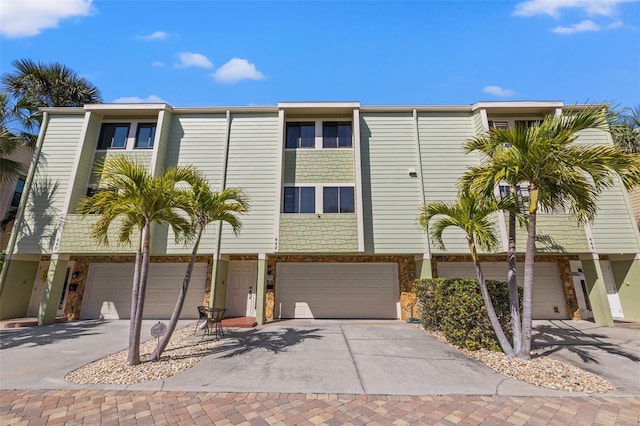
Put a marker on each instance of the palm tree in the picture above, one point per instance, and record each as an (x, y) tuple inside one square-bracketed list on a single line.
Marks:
[(131, 199), (207, 207), (10, 143), (471, 214), (625, 129), (490, 144), (557, 171), (34, 85)]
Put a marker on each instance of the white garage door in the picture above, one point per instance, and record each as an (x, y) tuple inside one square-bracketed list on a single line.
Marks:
[(108, 292), (548, 298), (337, 290)]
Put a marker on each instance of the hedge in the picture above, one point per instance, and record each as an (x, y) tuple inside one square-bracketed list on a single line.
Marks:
[(455, 307)]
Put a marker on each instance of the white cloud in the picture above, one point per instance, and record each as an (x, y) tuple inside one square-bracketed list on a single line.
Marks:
[(189, 59), (151, 99), (498, 91), (577, 28), (159, 64), (26, 18), (614, 25), (553, 7), (236, 70), (156, 35)]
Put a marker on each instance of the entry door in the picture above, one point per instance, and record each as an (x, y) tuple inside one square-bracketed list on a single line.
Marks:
[(38, 289), (612, 293), (241, 290)]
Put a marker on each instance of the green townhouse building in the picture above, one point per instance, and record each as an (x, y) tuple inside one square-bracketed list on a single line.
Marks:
[(335, 190)]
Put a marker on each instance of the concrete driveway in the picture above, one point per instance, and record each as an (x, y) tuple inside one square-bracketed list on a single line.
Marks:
[(611, 352), (342, 357)]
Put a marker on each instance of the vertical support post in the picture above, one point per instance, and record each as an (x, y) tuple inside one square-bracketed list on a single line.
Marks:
[(423, 266), (261, 288), (597, 291), (53, 289)]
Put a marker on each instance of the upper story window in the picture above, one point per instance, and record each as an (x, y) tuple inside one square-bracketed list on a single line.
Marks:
[(336, 134), (510, 124), (17, 194), (337, 199), (113, 136), (299, 199), (319, 134), (301, 135), (145, 134)]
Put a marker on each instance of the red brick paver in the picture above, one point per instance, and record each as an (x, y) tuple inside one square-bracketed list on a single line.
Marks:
[(92, 407)]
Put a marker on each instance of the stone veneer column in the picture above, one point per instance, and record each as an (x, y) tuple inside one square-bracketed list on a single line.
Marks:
[(53, 289)]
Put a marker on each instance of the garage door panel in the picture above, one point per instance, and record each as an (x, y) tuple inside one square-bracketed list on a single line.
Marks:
[(108, 292), (548, 297), (337, 290)]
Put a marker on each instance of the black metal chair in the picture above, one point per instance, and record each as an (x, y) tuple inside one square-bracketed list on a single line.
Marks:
[(217, 315), (202, 319)]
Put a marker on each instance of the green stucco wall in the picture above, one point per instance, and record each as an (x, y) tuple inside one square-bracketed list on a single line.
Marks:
[(17, 289), (626, 274), (319, 166), (311, 233)]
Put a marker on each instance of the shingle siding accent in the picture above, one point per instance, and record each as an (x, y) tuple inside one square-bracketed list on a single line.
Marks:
[(319, 166), (312, 233)]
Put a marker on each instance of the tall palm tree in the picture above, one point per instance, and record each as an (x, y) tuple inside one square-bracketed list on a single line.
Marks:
[(471, 214), (35, 84), (557, 171), (206, 207), (130, 199)]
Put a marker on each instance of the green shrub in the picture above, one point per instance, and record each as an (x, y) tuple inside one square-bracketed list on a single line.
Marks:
[(455, 307)]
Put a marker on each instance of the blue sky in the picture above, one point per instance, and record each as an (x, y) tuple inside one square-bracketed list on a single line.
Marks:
[(199, 53)]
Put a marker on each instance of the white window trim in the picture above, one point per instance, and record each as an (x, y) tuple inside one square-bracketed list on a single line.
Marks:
[(512, 120)]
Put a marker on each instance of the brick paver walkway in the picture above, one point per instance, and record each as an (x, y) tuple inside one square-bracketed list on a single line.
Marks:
[(93, 407)]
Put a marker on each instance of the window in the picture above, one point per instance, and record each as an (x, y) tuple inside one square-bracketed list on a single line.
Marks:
[(299, 199), (145, 134), (336, 134), (301, 135), (527, 123), (495, 124), (113, 136), (522, 194), (17, 194), (337, 199)]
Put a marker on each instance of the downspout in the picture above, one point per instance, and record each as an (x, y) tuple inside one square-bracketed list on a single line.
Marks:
[(17, 224), (223, 186)]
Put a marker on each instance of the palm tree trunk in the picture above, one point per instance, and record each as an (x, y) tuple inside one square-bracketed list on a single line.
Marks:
[(527, 297), (134, 349), (134, 339), (493, 318), (514, 304), (175, 315)]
